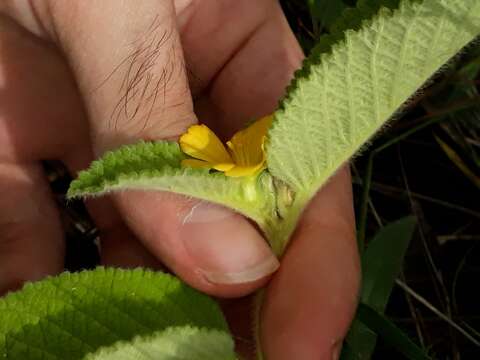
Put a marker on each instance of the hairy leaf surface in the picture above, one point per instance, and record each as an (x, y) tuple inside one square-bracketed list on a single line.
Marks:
[(175, 343), (157, 166), (340, 99), (72, 315)]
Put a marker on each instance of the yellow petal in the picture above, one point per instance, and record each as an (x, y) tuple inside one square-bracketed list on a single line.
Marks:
[(223, 167), (238, 171), (201, 143), (246, 146)]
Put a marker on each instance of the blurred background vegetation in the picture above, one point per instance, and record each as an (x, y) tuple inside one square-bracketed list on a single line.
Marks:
[(425, 165)]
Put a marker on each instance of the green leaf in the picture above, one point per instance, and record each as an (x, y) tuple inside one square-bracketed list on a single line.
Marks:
[(382, 261), (157, 166), (72, 315), (175, 343), (391, 334), (352, 18), (381, 264), (340, 99)]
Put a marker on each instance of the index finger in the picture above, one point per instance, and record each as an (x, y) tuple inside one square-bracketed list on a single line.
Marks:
[(243, 71)]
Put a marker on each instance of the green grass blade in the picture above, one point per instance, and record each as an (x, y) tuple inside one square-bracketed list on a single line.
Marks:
[(382, 261), (381, 264), (390, 333), (361, 342)]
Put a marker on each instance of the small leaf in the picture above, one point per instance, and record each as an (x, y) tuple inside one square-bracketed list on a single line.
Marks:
[(382, 261), (174, 343), (72, 315), (157, 166), (340, 99)]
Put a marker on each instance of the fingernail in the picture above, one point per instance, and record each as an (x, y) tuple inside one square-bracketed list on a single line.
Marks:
[(337, 350), (225, 246)]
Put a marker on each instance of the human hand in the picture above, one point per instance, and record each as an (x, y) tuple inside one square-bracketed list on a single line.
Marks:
[(79, 78)]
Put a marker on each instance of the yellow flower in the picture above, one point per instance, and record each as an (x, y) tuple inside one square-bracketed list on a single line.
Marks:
[(243, 156)]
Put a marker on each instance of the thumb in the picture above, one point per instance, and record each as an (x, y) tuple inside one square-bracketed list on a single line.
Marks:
[(128, 62)]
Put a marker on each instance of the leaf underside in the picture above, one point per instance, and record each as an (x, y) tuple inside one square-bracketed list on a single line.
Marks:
[(340, 99), (73, 315), (157, 166)]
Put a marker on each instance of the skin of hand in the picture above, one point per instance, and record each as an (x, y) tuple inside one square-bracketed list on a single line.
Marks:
[(78, 78)]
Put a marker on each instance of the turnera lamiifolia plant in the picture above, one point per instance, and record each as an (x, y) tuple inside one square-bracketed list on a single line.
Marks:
[(268, 171), (336, 102)]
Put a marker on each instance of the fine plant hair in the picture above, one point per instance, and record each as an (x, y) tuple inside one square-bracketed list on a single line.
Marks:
[(419, 94)]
